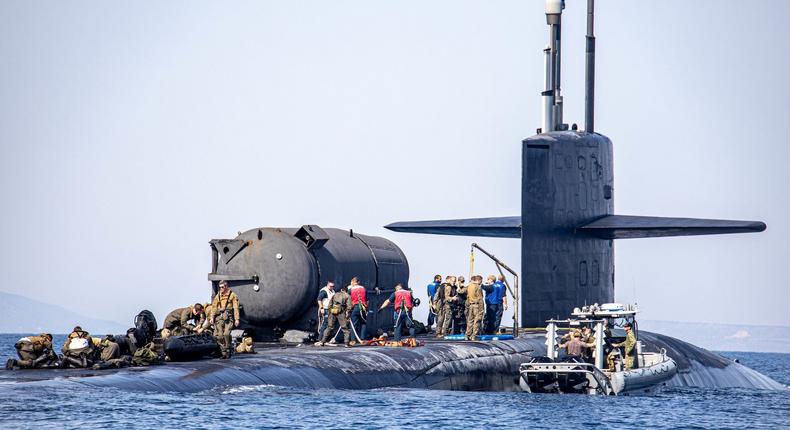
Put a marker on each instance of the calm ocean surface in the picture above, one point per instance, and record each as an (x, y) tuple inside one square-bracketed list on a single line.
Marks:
[(277, 407)]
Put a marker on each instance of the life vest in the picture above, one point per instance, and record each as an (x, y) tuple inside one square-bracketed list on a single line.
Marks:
[(224, 307), (403, 298), (329, 294), (378, 341), (357, 295)]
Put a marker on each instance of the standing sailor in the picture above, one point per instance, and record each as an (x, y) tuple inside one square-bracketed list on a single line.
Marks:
[(629, 343), (403, 305), (574, 347), (496, 302), (445, 297), (225, 316), (324, 299), (437, 280), (459, 308), (588, 339), (339, 310), (474, 306), (359, 308)]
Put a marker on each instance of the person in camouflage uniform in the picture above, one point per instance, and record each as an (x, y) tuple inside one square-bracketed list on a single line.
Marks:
[(225, 310), (339, 314), (34, 352), (474, 306)]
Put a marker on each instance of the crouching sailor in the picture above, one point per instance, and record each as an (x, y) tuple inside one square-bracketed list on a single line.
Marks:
[(403, 305), (34, 352), (178, 321), (78, 350), (109, 353), (225, 308)]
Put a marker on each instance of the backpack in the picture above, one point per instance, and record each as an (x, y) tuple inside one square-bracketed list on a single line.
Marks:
[(146, 356)]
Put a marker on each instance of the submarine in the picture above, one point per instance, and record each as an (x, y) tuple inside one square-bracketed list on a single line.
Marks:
[(567, 229)]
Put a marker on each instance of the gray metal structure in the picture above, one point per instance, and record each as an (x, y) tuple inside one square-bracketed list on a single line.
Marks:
[(277, 273), (567, 223)]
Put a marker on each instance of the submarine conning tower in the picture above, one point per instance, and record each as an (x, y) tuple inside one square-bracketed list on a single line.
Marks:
[(568, 182), (278, 272), (567, 222)]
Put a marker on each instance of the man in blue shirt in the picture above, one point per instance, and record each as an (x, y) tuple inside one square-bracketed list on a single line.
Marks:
[(437, 280), (496, 302)]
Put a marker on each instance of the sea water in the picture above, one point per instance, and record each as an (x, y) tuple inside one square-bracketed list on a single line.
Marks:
[(74, 406)]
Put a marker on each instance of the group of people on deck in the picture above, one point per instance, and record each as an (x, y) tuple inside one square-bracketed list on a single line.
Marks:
[(350, 304), (458, 308)]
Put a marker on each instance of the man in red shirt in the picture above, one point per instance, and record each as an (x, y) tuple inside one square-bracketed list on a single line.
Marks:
[(403, 302), (359, 308)]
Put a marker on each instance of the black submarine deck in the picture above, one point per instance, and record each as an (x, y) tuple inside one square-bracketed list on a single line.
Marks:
[(439, 364)]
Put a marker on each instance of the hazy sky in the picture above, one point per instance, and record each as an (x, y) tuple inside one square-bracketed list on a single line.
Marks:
[(132, 133)]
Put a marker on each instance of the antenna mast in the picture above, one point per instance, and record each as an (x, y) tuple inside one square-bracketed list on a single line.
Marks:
[(552, 100), (589, 75)]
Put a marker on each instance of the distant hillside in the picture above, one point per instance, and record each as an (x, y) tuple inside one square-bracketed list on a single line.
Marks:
[(25, 315), (725, 337)]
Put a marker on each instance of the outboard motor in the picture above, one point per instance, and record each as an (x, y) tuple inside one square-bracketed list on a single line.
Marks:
[(542, 382), (142, 333), (573, 382)]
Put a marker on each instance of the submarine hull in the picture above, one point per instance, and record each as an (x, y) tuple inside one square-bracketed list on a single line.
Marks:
[(476, 366)]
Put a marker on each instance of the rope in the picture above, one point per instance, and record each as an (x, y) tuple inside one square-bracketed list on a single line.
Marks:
[(354, 331), (400, 312)]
